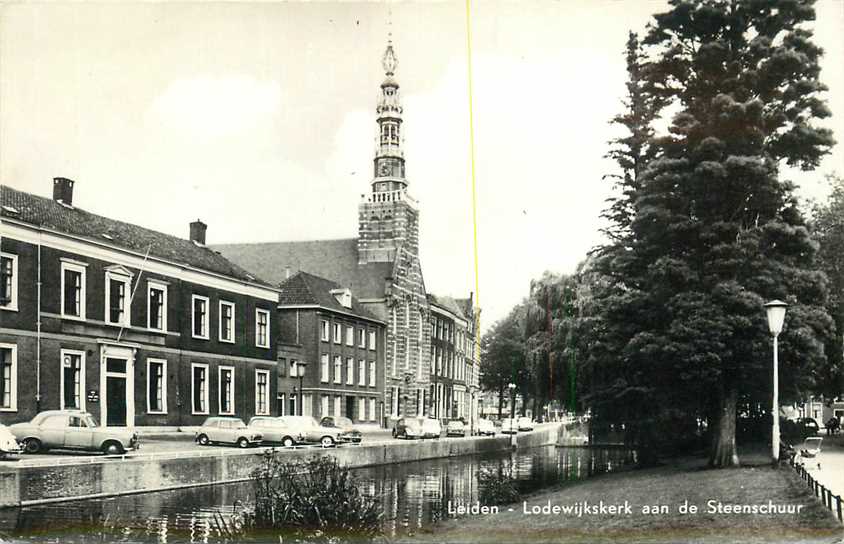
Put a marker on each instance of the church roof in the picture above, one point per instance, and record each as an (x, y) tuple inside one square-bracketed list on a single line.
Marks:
[(335, 260), (304, 289), (48, 214)]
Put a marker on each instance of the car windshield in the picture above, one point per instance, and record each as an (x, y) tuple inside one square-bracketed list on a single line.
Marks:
[(412, 422)]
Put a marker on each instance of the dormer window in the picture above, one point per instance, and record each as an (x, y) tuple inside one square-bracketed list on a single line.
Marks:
[(343, 296)]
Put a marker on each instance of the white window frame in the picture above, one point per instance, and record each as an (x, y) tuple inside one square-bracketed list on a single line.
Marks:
[(163, 363), (371, 373), (266, 344), (361, 409), (205, 334), (361, 371), (220, 321), (127, 297), (324, 368), (80, 268), (338, 406), (163, 288), (372, 409), (338, 333), (307, 404), (362, 338), (13, 395), (338, 369), (231, 410), (325, 331), (350, 370), (350, 335), (12, 306), (372, 345), (193, 410), (266, 411), (81, 355)]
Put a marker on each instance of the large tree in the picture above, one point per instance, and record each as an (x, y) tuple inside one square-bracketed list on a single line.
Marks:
[(503, 355), (828, 230), (714, 232)]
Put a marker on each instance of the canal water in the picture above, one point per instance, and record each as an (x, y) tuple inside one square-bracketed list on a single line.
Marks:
[(413, 496)]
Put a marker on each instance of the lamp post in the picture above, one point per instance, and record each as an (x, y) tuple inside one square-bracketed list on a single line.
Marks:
[(512, 387), (300, 373), (776, 316)]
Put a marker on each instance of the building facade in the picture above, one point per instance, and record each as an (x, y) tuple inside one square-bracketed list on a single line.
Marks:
[(342, 347), (381, 266), (135, 326)]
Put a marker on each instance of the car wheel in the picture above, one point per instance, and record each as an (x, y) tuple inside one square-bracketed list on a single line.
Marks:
[(202, 440), (113, 448), (326, 442), (242, 442), (32, 445), (288, 442)]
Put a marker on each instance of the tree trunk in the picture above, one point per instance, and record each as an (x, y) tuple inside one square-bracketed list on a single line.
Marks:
[(724, 453), (500, 402)]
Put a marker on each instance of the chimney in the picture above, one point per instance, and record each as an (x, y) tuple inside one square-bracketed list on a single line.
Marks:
[(197, 232), (286, 272), (63, 191)]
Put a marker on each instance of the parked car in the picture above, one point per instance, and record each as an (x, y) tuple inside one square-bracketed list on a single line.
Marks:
[(485, 427), (275, 431), (227, 430), (72, 429), (811, 425), (8, 443), (408, 427), (525, 424), (348, 431), (455, 427), (311, 432), (431, 428), (509, 426)]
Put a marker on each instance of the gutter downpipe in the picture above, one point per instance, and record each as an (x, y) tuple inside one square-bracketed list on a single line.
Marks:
[(38, 331)]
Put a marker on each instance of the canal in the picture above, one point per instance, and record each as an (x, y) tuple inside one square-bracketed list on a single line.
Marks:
[(412, 495)]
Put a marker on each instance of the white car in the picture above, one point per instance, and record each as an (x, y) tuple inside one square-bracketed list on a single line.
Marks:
[(455, 427), (227, 430), (525, 424), (8, 442), (431, 428), (509, 426), (485, 427)]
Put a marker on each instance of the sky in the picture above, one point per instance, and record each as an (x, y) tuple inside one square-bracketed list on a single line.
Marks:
[(259, 119)]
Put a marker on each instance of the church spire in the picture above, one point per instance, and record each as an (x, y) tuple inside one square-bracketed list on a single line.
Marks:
[(389, 172)]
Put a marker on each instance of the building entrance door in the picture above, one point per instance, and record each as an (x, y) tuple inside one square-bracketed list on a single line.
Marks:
[(350, 407), (117, 403)]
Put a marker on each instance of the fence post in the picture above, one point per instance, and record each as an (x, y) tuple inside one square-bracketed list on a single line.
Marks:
[(840, 518)]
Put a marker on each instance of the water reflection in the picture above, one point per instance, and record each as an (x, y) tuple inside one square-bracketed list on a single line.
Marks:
[(413, 495)]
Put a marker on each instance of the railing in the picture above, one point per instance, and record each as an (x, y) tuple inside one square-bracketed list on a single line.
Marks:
[(400, 195), (819, 490)]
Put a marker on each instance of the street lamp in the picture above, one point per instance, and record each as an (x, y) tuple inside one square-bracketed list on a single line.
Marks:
[(300, 372), (512, 387), (776, 316)]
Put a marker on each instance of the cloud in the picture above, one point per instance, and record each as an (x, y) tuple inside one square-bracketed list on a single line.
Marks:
[(209, 108)]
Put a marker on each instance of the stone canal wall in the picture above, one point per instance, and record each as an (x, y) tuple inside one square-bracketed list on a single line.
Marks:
[(24, 485)]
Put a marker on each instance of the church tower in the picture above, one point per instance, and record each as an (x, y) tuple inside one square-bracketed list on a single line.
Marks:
[(389, 234), (388, 215)]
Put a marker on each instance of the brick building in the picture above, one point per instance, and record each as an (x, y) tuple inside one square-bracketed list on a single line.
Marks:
[(381, 266), (135, 326), (342, 345)]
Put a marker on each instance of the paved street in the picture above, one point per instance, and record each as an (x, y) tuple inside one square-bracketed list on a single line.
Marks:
[(828, 467), (174, 444)]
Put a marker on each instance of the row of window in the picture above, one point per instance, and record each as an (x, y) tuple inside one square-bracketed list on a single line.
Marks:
[(118, 284), (200, 387), (334, 407), (446, 363), (72, 384), (362, 334), (362, 367)]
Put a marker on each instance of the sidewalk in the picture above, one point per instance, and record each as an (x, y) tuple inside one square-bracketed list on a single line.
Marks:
[(671, 486)]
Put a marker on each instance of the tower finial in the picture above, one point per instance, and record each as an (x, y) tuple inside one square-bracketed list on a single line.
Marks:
[(389, 62)]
